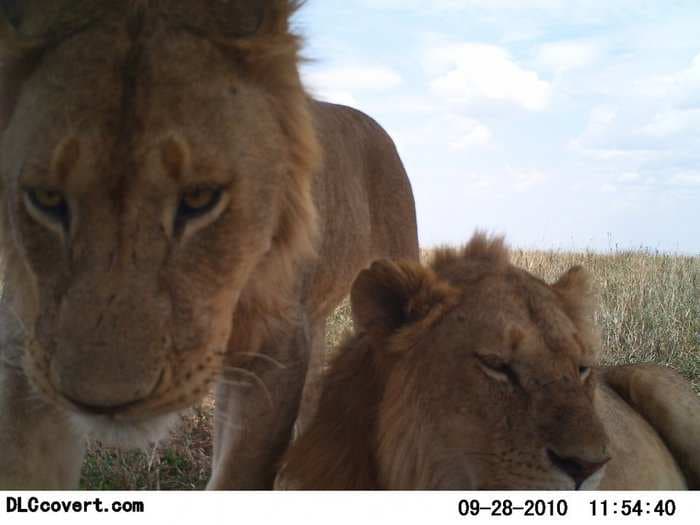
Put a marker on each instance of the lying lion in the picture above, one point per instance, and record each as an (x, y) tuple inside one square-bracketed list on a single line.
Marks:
[(473, 374)]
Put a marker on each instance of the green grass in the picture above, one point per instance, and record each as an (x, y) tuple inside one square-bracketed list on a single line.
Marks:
[(650, 311)]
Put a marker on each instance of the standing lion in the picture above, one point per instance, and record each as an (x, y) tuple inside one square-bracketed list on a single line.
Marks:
[(176, 214)]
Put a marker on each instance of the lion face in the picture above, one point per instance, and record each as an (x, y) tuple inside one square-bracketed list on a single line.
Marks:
[(489, 378), (146, 179)]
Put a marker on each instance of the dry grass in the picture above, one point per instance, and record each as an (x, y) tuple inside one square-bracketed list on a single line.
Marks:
[(181, 463), (650, 311), (650, 304)]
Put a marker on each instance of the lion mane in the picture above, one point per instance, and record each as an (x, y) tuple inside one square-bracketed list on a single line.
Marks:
[(471, 373), (177, 214)]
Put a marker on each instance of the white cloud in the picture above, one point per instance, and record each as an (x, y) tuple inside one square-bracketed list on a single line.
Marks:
[(348, 79), (403, 102), (601, 118), (681, 85), (497, 4), (479, 72), (672, 122), (462, 4), (635, 157), (336, 97), (629, 177), (686, 179), (609, 137), (568, 55), (464, 132), (447, 132), (493, 94), (525, 180)]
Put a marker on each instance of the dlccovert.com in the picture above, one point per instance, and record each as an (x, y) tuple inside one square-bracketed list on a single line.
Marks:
[(20, 504)]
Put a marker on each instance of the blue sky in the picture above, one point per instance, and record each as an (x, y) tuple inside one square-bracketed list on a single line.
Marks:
[(560, 123)]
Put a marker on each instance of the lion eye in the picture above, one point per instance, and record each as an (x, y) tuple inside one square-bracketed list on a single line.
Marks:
[(51, 204), (498, 369), (584, 372), (197, 202)]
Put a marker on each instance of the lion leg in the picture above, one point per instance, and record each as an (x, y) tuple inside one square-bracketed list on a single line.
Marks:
[(39, 447), (256, 407)]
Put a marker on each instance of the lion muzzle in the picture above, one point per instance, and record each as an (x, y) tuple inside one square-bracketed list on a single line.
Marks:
[(109, 357)]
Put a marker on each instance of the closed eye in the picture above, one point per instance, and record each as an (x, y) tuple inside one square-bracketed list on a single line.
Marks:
[(498, 369)]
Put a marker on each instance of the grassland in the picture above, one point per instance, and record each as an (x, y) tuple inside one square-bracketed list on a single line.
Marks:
[(650, 311)]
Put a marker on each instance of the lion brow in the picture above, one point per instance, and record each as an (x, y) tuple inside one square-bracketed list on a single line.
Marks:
[(48, 23)]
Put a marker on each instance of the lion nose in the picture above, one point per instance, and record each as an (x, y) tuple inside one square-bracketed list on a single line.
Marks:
[(577, 469), (96, 410), (93, 397)]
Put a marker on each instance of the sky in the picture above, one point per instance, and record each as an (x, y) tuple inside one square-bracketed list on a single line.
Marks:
[(565, 124)]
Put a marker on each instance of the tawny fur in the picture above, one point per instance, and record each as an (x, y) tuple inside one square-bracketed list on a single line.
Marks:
[(484, 383), (122, 107)]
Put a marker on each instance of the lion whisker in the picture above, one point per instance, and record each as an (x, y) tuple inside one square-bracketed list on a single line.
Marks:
[(225, 420), (231, 382), (254, 377), (15, 364), (10, 309), (264, 357), (469, 452), (35, 401)]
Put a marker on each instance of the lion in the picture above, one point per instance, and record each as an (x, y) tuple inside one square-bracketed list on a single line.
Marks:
[(178, 214), (472, 373)]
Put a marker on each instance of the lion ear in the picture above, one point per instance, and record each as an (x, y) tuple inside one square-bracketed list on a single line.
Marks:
[(579, 298), (576, 290), (391, 294)]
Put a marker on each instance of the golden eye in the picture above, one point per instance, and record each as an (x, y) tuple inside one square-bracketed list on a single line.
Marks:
[(197, 202), (47, 198), (199, 198), (51, 203)]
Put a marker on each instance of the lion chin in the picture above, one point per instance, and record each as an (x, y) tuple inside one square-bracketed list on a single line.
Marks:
[(132, 434)]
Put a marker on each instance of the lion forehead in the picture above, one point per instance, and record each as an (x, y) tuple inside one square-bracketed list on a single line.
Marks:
[(177, 89)]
